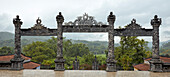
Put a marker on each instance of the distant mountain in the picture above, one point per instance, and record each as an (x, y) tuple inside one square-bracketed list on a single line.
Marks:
[(6, 36), (94, 43), (160, 44), (9, 36), (7, 39)]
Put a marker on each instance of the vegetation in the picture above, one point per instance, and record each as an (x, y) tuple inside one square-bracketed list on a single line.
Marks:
[(45, 53), (131, 51), (96, 47), (165, 49), (6, 50)]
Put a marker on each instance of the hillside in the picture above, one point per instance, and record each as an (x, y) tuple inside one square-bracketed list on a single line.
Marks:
[(165, 49), (6, 36), (7, 39)]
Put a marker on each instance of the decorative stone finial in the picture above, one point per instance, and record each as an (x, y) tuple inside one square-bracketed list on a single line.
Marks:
[(133, 21), (156, 21), (38, 21), (111, 18), (155, 17), (17, 21), (17, 17), (60, 18)]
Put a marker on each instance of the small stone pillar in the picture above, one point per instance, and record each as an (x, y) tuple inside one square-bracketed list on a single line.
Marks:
[(111, 62), (155, 62), (59, 62), (76, 64), (95, 64), (17, 61)]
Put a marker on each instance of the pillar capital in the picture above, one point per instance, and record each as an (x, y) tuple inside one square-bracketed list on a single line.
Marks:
[(111, 18), (60, 18), (156, 22), (17, 21)]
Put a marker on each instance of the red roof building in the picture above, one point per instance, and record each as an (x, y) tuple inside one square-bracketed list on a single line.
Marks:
[(9, 57), (146, 65), (5, 62)]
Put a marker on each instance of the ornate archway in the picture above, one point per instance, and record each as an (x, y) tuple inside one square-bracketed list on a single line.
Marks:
[(87, 23)]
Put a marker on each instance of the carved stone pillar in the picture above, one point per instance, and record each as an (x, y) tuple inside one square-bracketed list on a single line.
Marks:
[(59, 62), (111, 63), (17, 61), (76, 64), (155, 62), (95, 64)]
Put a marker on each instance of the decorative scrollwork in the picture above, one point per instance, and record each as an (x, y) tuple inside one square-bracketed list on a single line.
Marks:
[(84, 20), (38, 25), (133, 25)]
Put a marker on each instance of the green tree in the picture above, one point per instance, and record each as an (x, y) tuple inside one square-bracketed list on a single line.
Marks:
[(45, 52), (39, 51), (6, 50), (76, 50), (131, 51)]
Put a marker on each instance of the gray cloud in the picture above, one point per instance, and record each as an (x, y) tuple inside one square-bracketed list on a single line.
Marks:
[(125, 11), (6, 23), (167, 32)]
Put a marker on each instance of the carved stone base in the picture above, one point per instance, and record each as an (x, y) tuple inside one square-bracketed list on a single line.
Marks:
[(59, 64), (111, 66), (155, 65), (17, 64)]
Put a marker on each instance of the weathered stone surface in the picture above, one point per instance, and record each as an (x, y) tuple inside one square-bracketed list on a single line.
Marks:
[(10, 73), (59, 62), (132, 74), (80, 73), (165, 74), (111, 63), (156, 63), (41, 32), (17, 61), (85, 73), (59, 73), (38, 73)]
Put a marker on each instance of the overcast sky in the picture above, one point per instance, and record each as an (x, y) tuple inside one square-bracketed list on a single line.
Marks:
[(125, 10)]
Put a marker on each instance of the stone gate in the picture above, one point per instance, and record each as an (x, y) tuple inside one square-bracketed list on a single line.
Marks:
[(87, 23)]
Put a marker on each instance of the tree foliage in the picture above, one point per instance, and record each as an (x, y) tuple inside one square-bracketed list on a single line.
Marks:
[(131, 51), (45, 52), (39, 51), (6, 50), (165, 49)]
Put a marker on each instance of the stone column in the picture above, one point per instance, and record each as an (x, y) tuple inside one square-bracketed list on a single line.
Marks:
[(17, 61), (95, 64), (111, 62), (155, 62), (59, 62), (76, 64)]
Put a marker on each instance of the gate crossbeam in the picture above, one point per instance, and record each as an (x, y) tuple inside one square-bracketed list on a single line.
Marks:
[(40, 32), (85, 28), (133, 32)]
